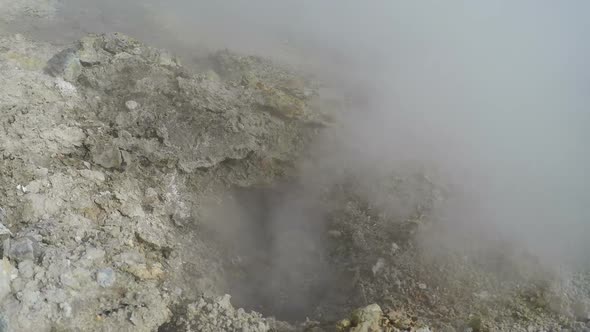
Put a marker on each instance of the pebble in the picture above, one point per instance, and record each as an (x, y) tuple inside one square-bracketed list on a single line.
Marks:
[(21, 188), (41, 173), (131, 104), (422, 286), (378, 267), (94, 254), (66, 308), (105, 277)]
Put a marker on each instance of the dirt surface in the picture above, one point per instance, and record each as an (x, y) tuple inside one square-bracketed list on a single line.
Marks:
[(136, 194)]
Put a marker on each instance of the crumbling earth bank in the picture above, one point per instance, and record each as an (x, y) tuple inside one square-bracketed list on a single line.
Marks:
[(109, 149)]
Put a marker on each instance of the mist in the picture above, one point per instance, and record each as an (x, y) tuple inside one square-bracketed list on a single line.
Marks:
[(494, 95)]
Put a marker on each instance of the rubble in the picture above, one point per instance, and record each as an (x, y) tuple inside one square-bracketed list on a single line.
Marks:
[(209, 315)]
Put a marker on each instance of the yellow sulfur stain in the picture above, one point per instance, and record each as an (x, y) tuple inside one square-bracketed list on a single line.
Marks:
[(24, 61)]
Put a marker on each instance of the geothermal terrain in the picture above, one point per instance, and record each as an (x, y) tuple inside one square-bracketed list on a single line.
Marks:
[(143, 190)]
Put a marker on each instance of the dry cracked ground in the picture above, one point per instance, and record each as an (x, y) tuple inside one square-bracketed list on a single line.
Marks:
[(135, 194)]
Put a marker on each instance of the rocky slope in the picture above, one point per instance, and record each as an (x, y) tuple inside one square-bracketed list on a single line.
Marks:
[(109, 148), (116, 162)]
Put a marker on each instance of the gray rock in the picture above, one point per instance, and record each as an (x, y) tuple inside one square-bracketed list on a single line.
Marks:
[(107, 156), (23, 249), (366, 318), (66, 309), (131, 104), (64, 64), (378, 267), (105, 277), (26, 269), (41, 173)]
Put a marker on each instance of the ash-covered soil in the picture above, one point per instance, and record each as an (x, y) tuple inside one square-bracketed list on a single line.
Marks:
[(139, 195)]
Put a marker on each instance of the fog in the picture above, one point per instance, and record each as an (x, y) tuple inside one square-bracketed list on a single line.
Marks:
[(492, 94)]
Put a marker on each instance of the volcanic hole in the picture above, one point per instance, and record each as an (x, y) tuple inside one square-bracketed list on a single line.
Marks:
[(278, 260)]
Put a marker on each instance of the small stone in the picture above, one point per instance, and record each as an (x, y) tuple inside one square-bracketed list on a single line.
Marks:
[(224, 302), (41, 173), (394, 247), (105, 277), (151, 196), (93, 175), (26, 269), (66, 308), (378, 267), (94, 254), (18, 285), (343, 324), (107, 156), (131, 104), (370, 313), (422, 286), (22, 249)]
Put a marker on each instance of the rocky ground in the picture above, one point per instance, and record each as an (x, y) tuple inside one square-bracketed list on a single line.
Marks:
[(124, 182)]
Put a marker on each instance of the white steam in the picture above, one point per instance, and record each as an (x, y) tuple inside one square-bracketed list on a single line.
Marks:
[(494, 94)]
